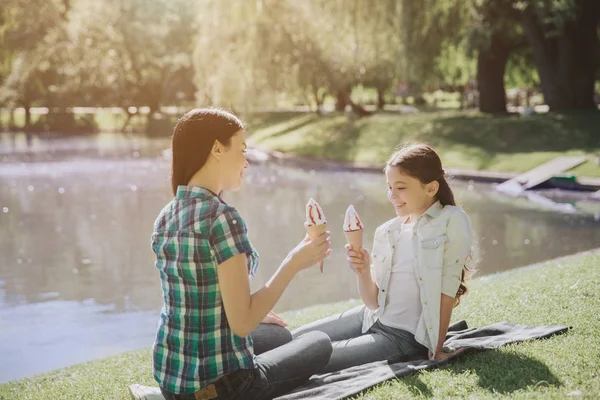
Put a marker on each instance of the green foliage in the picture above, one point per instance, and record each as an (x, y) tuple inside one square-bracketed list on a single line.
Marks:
[(246, 54)]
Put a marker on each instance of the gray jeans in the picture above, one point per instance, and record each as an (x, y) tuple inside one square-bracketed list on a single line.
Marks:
[(351, 347), (281, 363)]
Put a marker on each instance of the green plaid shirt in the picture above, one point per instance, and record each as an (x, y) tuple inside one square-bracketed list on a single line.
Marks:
[(194, 344)]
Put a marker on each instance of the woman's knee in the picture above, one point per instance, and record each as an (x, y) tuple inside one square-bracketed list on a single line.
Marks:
[(318, 346), (269, 336), (281, 335)]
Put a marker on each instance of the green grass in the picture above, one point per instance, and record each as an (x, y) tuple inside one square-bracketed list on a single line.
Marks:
[(465, 140), (561, 292)]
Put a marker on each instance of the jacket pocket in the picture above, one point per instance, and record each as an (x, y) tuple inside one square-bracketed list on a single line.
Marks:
[(432, 251), (378, 260)]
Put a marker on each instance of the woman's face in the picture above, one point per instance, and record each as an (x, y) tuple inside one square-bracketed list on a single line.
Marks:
[(407, 194), (233, 162)]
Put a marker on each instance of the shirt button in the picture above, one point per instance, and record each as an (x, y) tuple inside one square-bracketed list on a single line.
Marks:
[(414, 233), (393, 247), (234, 222), (420, 278), (425, 303)]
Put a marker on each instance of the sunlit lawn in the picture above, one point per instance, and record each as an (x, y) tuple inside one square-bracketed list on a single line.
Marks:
[(465, 140), (562, 292)]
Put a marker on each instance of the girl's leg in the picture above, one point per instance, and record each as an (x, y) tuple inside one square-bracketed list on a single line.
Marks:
[(380, 343), (266, 337), (342, 326), (360, 350)]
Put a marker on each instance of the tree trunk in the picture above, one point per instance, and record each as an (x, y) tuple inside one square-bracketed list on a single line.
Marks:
[(491, 66), (11, 119), (27, 116), (127, 120), (566, 61), (380, 98), (359, 110), (318, 100), (342, 99)]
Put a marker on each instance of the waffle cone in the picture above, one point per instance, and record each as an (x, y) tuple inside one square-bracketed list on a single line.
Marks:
[(354, 239), (314, 231)]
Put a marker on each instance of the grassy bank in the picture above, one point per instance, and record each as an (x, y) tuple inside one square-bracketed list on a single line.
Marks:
[(558, 292), (465, 140)]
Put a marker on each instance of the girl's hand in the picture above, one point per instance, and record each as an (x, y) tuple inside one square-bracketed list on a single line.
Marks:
[(309, 252), (273, 318), (441, 355), (359, 262)]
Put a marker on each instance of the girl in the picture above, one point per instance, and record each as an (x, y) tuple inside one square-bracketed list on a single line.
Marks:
[(417, 270), (203, 349)]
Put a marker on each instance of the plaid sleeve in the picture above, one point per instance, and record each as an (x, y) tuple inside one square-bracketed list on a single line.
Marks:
[(229, 237)]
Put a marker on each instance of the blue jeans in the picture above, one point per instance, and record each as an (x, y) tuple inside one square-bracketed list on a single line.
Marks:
[(281, 364), (351, 347)]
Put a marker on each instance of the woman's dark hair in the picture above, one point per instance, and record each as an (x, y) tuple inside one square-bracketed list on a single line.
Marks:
[(422, 162), (193, 139)]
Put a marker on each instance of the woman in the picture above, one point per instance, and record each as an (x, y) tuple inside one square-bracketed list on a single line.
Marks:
[(203, 348)]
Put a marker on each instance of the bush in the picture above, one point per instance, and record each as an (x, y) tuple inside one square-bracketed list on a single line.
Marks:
[(65, 122)]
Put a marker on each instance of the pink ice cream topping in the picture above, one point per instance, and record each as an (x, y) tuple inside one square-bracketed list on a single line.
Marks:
[(314, 214), (352, 221)]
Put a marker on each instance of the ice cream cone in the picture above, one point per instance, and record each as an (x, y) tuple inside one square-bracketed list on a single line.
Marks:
[(354, 239), (315, 224), (314, 231)]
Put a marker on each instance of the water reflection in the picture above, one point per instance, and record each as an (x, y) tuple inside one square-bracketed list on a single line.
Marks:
[(75, 234)]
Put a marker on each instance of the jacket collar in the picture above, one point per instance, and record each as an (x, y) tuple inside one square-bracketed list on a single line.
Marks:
[(433, 211)]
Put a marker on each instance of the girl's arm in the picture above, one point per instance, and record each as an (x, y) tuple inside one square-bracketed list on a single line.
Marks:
[(446, 306), (368, 290), (360, 264), (456, 251)]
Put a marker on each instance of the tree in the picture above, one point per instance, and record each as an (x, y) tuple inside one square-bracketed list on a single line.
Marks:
[(495, 36), (563, 35), (32, 35)]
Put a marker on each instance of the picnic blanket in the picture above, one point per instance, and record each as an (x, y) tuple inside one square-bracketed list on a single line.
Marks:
[(351, 381)]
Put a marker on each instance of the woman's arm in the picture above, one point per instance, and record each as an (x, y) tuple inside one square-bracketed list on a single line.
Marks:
[(244, 310)]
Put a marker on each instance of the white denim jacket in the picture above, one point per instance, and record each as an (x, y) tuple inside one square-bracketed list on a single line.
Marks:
[(441, 239)]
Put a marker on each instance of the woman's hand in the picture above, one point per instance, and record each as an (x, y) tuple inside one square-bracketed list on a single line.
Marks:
[(273, 318), (359, 262), (309, 252)]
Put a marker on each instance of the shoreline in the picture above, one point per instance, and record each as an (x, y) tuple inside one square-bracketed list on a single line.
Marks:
[(262, 155)]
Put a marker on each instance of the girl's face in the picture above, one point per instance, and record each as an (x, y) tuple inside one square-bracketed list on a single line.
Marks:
[(233, 162), (408, 195)]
